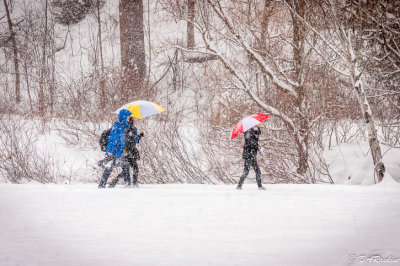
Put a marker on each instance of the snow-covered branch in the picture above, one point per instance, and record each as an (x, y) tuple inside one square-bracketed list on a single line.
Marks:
[(289, 87)]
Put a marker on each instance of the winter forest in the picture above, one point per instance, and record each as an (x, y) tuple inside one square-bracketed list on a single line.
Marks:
[(326, 72)]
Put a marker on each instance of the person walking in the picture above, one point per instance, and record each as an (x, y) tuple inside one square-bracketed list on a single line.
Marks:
[(250, 149), (131, 155), (115, 148)]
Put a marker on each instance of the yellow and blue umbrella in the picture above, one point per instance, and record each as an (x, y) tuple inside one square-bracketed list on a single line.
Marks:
[(141, 109)]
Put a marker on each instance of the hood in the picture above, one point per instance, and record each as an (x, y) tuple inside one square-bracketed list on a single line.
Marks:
[(123, 115)]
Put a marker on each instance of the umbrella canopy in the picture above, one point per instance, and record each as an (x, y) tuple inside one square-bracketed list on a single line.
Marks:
[(142, 109), (247, 123)]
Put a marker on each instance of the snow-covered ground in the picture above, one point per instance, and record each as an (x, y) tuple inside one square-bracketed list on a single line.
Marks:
[(197, 224)]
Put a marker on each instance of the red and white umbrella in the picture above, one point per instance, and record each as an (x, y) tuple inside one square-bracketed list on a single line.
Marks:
[(247, 123)]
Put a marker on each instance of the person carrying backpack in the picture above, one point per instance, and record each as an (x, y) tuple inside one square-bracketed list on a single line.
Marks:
[(115, 148), (131, 154)]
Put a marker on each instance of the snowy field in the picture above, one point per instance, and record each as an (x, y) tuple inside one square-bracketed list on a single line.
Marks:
[(198, 224)]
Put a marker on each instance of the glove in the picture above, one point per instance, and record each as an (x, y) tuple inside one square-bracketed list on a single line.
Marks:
[(107, 162), (141, 135)]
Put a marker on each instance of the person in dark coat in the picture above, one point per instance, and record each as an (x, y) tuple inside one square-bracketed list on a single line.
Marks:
[(131, 154), (115, 147), (250, 150)]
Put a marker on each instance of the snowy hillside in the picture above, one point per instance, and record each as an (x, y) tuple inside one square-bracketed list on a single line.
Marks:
[(198, 225)]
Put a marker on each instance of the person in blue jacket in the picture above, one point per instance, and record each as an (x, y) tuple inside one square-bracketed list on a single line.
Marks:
[(115, 147), (131, 155)]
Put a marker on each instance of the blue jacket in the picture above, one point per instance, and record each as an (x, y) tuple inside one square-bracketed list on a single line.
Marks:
[(116, 141)]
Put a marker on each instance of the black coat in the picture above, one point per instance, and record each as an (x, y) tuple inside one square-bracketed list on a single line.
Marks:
[(131, 139), (250, 147)]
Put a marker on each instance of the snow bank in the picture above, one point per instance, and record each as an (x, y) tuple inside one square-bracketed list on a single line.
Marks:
[(71, 163), (352, 164)]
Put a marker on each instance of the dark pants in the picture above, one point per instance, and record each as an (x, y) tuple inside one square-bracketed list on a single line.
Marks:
[(107, 172), (135, 168), (252, 161), (131, 162)]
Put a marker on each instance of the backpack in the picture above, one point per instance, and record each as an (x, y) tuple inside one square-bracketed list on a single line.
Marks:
[(103, 141)]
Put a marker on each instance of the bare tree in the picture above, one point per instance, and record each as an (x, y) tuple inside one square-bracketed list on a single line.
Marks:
[(348, 47), (102, 78), (42, 79), (261, 41), (288, 81), (381, 64), (15, 52)]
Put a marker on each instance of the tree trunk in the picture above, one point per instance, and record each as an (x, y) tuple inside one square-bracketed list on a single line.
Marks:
[(43, 68), (190, 27), (374, 145), (355, 76), (52, 87), (102, 79), (133, 57), (15, 51), (301, 116), (28, 85)]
